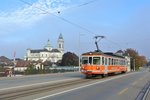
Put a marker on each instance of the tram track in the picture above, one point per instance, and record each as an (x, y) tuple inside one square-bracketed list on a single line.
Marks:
[(12, 94), (20, 92), (143, 94)]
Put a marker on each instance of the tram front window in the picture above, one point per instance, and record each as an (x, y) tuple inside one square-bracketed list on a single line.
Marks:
[(84, 60), (96, 60)]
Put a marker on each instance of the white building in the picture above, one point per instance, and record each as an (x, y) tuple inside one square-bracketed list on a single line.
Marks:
[(47, 53), (128, 63)]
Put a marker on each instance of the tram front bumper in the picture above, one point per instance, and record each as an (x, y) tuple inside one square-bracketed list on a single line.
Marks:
[(91, 72)]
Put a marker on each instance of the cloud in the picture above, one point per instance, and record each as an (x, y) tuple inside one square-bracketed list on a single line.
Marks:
[(31, 13)]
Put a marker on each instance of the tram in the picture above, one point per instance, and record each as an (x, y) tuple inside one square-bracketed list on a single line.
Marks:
[(98, 63)]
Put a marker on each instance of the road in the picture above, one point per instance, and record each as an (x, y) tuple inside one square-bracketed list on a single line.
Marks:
[(9, 82), (125, 87), (120, 87)]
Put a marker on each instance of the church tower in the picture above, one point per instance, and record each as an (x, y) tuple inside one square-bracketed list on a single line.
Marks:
[(60, 43)]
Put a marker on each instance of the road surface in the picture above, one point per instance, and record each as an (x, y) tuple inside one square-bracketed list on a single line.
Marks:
[(9, 82), (126, 87), (120, 87)]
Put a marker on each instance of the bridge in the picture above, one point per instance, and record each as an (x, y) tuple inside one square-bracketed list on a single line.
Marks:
[(74, 86)]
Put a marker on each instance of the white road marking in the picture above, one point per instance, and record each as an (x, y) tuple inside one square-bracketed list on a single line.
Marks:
[(38, 84), (123, 91), (134, 83), (48, 96)]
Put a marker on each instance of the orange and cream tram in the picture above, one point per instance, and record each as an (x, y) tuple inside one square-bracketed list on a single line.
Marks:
[(100, 64)]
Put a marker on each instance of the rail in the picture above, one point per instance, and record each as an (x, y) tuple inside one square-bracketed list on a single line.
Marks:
[(11, 94), (144, 92)]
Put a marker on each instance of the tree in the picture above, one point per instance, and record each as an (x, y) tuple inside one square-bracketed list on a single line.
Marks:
[(136, 59), (31, 70), (70, 59), (58, 63), (47, 63)]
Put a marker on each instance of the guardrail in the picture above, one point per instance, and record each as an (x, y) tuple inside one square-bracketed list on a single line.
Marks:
[(62, 68), (144, 92)]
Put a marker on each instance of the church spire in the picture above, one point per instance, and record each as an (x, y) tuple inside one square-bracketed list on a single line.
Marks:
[(48, 45), (60, 36)]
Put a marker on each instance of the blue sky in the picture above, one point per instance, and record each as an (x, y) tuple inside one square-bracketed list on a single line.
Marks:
[(125, 23)]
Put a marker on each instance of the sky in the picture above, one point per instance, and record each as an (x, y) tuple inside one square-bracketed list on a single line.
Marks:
[(124, 23)]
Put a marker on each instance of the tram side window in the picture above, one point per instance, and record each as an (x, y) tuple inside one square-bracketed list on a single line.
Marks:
[(84, 60), (103, 61), (124, 62), (117, 61), (96, 60), (109, 61), (112, 63), (90, 60)]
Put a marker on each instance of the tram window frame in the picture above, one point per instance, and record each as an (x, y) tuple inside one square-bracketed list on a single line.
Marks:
[(97, 60)]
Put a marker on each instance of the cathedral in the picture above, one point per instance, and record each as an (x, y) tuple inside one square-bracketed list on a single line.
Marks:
[(47, 53)]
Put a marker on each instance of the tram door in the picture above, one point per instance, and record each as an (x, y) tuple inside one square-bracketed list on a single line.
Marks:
[(106, 65)]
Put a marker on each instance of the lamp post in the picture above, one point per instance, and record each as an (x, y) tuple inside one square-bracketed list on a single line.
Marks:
[(14, 60), (134, 64), (79, 49)]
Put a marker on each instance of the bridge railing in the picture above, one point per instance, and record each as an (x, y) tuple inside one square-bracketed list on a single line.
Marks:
[(58, 69)]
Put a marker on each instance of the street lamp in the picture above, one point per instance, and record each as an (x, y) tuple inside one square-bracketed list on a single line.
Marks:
[(134, 64), (79, 49)]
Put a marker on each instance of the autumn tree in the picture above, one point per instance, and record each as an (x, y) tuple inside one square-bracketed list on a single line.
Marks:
[(70, 59), (136, 59)]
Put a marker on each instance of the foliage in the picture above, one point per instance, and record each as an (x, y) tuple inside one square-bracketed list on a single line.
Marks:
[(47, 63), (136, 59), (31, 70), (58, 63), (70, 59)]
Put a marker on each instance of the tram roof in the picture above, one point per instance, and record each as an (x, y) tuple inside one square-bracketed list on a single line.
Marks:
[(102, 53)]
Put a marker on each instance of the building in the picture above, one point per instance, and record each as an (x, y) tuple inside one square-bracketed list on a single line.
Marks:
[(120, 52), (21, 65), (47, 53), (128, 63)]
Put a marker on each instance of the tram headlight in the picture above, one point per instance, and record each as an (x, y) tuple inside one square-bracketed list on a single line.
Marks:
[(82, 67), (97, 68)]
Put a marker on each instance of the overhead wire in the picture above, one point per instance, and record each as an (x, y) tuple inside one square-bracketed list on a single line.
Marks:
[(61, 18), (115, 43), (86, 3), (70, 22), (83, 4)]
